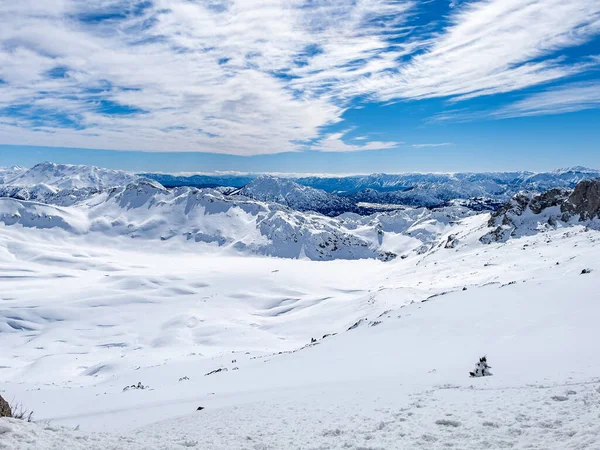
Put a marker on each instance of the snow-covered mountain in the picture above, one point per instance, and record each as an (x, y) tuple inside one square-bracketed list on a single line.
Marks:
[(67, 176), (44, 193), (456, 185), (274, 216), (412, 189), (146, 210), (286, 192), (200, 181), (7, 173)]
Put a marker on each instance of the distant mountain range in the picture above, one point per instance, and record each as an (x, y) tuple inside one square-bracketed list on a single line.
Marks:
[(65, 176), (282, 217), (351, 193), (64, 184)]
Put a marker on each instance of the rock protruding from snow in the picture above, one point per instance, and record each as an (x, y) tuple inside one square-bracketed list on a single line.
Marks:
[(5, 410), (482, 369), (584, 201), (527, 213)]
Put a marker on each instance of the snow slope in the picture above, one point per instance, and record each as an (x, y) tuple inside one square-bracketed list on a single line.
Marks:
[(86, 315), (326, 347)]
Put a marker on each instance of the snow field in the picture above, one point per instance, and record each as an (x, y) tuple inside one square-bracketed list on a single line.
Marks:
[(84, 316)]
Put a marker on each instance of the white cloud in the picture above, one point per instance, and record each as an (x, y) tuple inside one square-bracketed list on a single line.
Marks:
[(220, 76), (334, 143), (491, 47), (563, 99)]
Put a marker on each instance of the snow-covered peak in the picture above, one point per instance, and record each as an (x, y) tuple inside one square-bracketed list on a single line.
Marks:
[(279, 190), (7, 173), (268, 188), (575, 169), (67, 176)]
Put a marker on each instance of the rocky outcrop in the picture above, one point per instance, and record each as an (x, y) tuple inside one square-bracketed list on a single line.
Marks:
[(5, 410), (527, 213), (451, 242), (584, 201)]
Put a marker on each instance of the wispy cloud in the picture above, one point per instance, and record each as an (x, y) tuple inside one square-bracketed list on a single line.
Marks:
[(334, 143), (441, 144), (494, 46), (568, 98)]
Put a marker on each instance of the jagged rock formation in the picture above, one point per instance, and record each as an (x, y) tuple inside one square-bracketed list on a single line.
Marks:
[(527, 213), (584, 200)]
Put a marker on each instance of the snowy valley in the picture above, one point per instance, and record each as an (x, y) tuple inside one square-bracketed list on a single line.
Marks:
[(280, 315)]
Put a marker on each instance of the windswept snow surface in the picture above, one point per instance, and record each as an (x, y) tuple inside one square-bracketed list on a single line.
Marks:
[(82, 315)]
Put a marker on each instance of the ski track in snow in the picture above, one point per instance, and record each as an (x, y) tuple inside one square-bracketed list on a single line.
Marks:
[(83, 316)]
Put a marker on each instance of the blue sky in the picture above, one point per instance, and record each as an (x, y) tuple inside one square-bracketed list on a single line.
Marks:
[(303, 86)]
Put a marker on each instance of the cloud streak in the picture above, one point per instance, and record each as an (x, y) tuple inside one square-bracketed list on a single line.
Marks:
[(334, 143), (567, 98), (441, 144)]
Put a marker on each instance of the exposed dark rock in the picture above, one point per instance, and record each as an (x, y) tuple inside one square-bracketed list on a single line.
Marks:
[(582, 203), (451, 242), (135, 386), (584, 200), (222, 369), (5, 410), (356, 324), (387, 256), (548, 199)]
